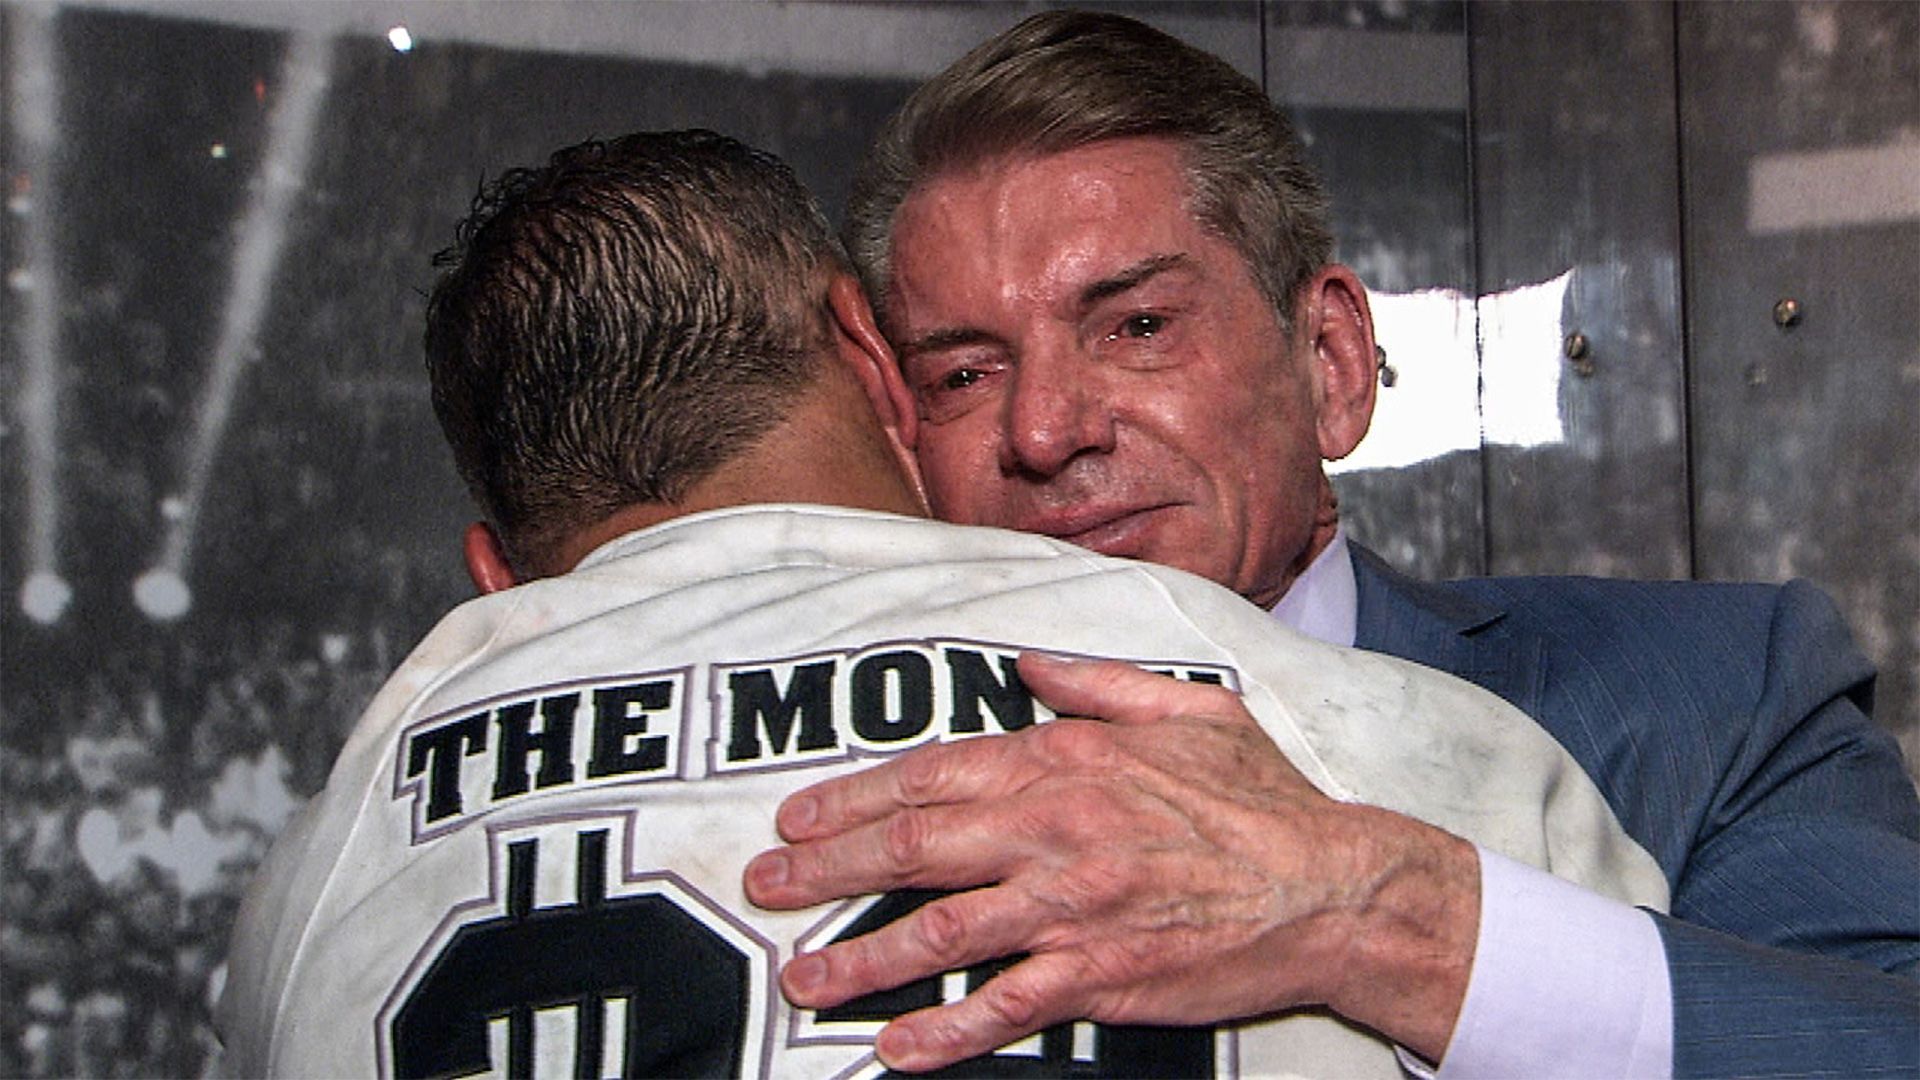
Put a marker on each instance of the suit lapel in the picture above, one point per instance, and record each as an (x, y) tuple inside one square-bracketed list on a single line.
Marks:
[(1445, 627)]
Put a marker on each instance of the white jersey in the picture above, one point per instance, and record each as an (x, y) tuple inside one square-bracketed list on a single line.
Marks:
[(528, 858)]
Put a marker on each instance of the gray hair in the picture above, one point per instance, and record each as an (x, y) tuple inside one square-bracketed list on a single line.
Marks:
[(1064, 79)]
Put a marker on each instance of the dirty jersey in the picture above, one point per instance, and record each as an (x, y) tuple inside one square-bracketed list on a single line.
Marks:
[(527, 860)]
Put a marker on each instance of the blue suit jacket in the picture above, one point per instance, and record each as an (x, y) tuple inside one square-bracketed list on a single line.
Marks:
[(1727, 726)]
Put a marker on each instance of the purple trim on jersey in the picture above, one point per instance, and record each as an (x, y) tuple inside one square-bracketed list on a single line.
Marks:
[(830, 924)]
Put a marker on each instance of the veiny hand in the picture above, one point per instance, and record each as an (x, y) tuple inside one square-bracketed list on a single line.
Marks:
[(1168, 867)]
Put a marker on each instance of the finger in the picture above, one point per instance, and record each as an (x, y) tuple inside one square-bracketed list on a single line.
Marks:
[(952, 933), (1119, 692), (1032, 995), (935, 847), (973, 769)]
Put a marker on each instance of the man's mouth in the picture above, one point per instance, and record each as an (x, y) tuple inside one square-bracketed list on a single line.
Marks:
[(1121, 531)]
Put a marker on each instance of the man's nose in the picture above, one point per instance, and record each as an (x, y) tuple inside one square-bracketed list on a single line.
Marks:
[(1058, 410)]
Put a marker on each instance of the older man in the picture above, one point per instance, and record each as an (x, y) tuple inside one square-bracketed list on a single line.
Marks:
[(1107, 274)]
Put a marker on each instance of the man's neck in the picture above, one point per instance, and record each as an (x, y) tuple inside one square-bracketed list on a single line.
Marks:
[(829, 450)]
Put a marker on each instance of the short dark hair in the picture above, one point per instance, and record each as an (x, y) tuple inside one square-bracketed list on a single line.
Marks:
[(1064, 79), (611, 327)]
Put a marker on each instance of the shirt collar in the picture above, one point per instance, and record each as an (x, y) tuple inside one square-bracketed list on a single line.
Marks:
[(1324, 601)]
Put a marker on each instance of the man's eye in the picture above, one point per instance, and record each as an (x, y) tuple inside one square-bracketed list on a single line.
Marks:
[(1140, 326), (961, 378)]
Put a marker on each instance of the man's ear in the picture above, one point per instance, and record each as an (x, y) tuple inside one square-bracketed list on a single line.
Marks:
[(866, 352), (486, 559), (1335, 323)]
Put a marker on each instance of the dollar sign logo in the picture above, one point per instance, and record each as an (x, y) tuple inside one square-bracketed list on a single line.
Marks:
[(654, 983)]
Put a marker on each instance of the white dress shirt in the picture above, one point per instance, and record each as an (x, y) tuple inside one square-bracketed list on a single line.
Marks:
[(1565, 982)]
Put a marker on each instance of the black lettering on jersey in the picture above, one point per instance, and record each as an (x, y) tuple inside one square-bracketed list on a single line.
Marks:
[(1106, 1050), (885, 698), (629, 730), (685, 988), (553, 742), (438, 751), (974, 683), (621, 719), (759, 704), (892, 696), (882, 699)]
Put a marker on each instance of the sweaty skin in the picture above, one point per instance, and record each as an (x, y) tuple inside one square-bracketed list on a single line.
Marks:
[(1090, 363)]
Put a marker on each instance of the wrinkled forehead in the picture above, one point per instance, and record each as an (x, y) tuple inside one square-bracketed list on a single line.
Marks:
[(956, 204), (997, 157)]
